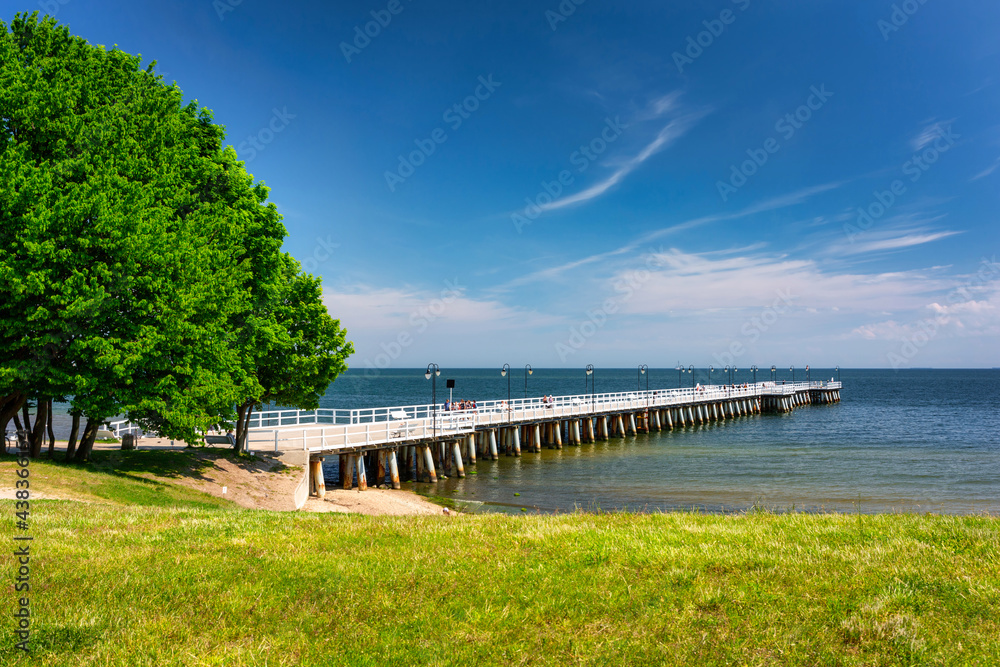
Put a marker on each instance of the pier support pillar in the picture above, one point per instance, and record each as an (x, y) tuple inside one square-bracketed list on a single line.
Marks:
[(362, 479), (456, 454), (574, 437), (493, 444), (470, 443), (557, 433), (631, 424), (343, 469), (591, 437), (516, 433), (538, 438), (656, 420), (619, 427), (428, 458), (669, 417), (347, 474), (317, 485), (393, 469)]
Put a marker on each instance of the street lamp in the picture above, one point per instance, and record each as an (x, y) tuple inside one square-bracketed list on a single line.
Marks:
[(691, 371), (593, 381), (505, 372), (807, 373), (838, 373), (433, 371), (711, 369), (527, 372), (773, 373), (680, 372), (643, 368), (792, 369), (754, 369)]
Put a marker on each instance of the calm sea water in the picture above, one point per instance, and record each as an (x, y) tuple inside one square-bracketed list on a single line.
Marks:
[(914, 441)]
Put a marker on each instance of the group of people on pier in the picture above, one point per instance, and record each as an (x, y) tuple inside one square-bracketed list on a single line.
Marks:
[(455, 406)]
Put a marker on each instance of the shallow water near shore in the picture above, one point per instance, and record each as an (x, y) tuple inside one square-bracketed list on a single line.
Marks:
[(906, 441)]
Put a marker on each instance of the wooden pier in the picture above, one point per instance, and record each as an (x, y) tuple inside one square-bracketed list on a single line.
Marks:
[(395, 444)]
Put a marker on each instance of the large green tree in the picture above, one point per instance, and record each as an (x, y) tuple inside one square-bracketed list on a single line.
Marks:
[(134, 246)]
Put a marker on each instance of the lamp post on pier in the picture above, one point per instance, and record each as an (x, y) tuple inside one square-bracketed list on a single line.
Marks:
[(808, 377), (754, 369), (505, 372), (432, 373), (680, 372), (691, 371), (643, 368), (792, 369), (711, 369), (589, 370), (527, 372), (838, 373), (774, 372)]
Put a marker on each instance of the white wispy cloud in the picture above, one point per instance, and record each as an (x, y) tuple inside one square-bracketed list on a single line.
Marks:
[(986, 172), (667, 135), (929, 133), (775, 203)]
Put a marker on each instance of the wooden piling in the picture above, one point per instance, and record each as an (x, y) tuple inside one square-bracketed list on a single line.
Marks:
[(456, 453), (394, 469)]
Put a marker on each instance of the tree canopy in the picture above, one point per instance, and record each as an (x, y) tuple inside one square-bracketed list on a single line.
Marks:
[(141, 264)]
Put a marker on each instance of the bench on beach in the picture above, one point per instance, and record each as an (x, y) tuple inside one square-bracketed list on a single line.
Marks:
[(218, 440)]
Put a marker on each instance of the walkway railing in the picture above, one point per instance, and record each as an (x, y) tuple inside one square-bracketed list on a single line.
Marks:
[(328, 429)]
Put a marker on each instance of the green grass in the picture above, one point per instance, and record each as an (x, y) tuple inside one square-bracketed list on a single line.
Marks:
[(123, 477), (156, 586)]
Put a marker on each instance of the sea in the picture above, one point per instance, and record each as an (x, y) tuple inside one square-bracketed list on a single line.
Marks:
[(923, 440)]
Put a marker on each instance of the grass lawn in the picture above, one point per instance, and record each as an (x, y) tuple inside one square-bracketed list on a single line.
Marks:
[(137, 583)]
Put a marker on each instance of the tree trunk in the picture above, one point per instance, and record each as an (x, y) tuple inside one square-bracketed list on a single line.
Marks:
[(38, 432), (9, 406), (74, 429), (241, 410), (26, 416), (87, 441), (243, 413), (52, 435)]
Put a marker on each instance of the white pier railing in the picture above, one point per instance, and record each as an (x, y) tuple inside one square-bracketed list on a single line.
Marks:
[(330, 429)]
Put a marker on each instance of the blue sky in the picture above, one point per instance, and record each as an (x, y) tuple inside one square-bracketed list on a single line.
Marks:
[(564, 184)]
